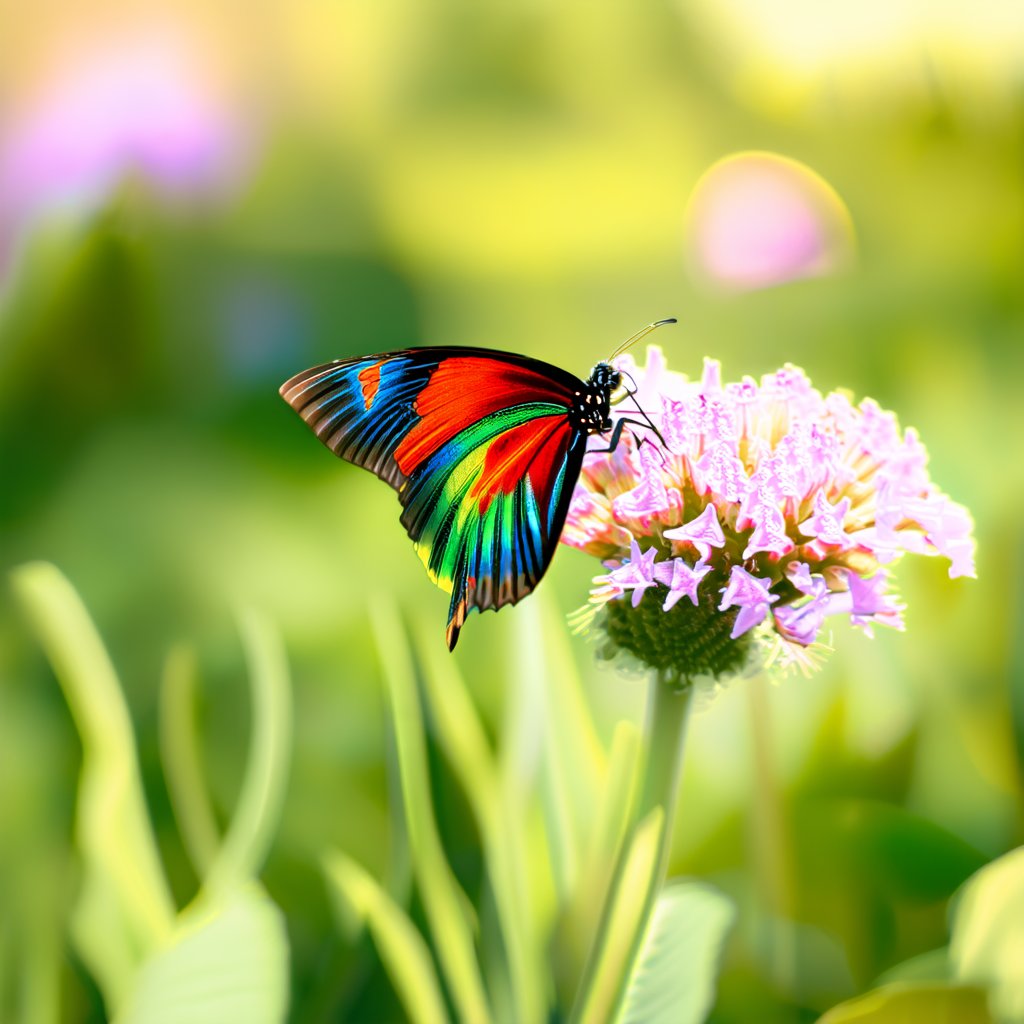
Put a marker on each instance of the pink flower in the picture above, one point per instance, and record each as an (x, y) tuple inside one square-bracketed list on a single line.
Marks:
[(636, 574), (771, 507), (681, 579), (751, 595), (704, 532)]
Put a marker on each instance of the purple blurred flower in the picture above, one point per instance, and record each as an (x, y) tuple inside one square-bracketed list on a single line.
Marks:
[(138, 102), (770, 504)]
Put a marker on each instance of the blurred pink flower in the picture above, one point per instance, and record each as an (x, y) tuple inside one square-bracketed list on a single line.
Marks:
[(759, 219), (140, 101)]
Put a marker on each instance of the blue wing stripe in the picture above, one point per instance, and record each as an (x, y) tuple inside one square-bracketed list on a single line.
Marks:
[(331, 400)]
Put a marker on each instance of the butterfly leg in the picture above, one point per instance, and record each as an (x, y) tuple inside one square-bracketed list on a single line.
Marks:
[(620, 425), (641, 440)]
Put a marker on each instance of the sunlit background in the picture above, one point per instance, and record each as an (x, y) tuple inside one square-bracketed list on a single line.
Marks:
[(198, 200)]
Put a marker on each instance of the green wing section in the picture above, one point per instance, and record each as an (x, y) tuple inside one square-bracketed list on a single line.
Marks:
[(487, 507)]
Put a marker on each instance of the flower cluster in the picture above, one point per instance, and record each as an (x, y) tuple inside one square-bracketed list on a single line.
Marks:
[(768, 509)]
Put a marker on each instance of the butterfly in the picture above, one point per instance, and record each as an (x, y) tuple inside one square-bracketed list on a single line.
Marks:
[(483, 447)]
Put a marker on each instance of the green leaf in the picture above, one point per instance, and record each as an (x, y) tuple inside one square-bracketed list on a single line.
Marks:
[(987, 945), (226, 961), (931, 966), (674, 979), (907, 854), (124, 908), (261, 800), (807, 963), (913, 1004), (401, 947), (444, 901)]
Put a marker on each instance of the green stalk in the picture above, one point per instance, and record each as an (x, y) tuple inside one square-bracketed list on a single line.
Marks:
[(770, 852), (642, 861)]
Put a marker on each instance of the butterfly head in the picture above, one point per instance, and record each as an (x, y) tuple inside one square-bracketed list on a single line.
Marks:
[(605, 377)]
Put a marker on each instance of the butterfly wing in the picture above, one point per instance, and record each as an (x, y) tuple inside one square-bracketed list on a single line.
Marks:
[(487, 507), (480, 448)]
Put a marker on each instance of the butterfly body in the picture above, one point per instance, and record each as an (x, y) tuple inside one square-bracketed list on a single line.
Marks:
[(483, 447)]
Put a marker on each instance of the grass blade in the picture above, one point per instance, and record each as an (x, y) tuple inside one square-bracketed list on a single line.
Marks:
[(41, 947), (905, 1003), (465, 744), (444, 901), (580, 919), (179, 755), (601, 995), (261, 800), (574, 760), (124, 909), (401, 947)]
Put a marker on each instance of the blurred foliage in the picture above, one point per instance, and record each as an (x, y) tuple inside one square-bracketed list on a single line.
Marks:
[(225, 956), (514, 176)]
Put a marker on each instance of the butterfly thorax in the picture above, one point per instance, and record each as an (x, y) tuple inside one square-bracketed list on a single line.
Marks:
[(591, 409)]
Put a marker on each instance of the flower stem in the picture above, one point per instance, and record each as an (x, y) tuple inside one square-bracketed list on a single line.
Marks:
[(642, 860)]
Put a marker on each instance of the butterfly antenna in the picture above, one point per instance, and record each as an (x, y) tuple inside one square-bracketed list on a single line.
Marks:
[(631, 394), (642, 333)]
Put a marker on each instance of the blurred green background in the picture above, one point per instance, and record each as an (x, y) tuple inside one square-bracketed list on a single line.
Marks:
[(197, 201)]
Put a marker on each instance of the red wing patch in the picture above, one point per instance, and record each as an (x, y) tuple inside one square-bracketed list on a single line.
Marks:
[(369, 380), (462, 391), (535, 449)]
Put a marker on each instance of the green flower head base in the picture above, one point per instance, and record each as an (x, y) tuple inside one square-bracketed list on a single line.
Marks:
[(768, 510)]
